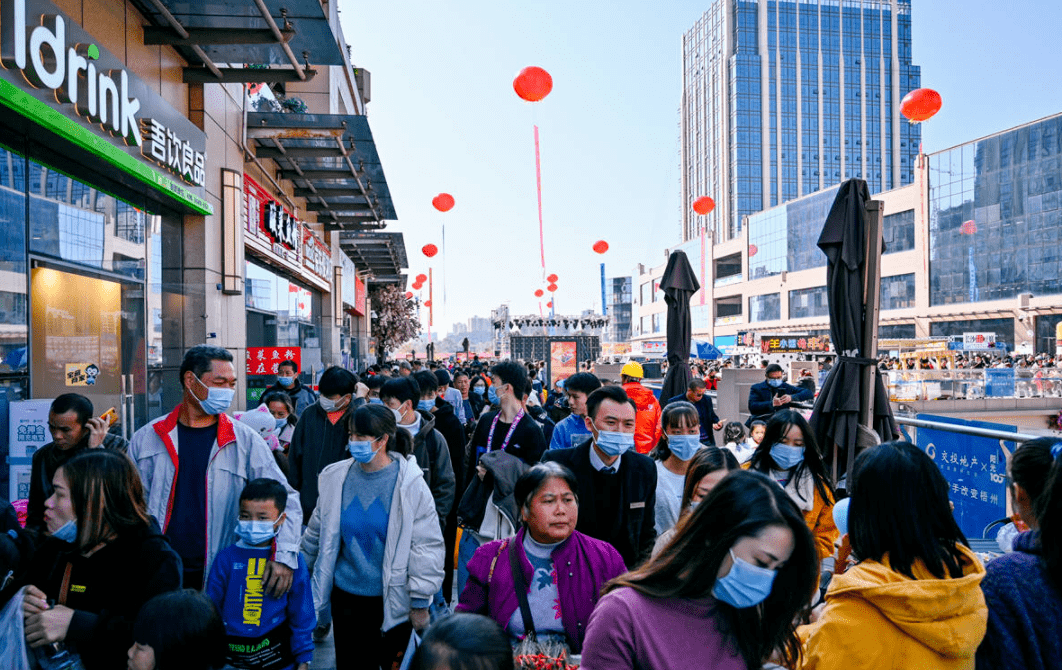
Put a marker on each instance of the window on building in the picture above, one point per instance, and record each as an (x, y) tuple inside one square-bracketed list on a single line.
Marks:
[(898, 231), (808, 302), (897, 292), (765, 307)]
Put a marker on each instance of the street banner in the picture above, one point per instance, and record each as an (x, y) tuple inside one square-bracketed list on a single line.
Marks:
[(264, 360)]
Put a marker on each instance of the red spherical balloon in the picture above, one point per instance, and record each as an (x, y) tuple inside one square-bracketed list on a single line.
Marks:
[(703, 205), (552, 279), (421, 278), (601, 246), (430, 250), (752, 250), (550, 304), (409, 294), (443, 202), (920, 104), (533, 84), (552, 288), (417, 285), (968, 227), (427, 303), (539, 293)]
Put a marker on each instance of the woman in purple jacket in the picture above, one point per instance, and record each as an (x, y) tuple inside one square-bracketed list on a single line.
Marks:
[(563, 570)]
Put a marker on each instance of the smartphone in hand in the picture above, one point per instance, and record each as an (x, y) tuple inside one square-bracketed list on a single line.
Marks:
[(110, 416)]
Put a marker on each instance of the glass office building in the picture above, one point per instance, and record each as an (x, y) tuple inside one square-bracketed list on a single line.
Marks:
[(784, 99), (619, 308)]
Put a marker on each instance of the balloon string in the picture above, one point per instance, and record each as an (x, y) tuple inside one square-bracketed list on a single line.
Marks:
[(538, 179)]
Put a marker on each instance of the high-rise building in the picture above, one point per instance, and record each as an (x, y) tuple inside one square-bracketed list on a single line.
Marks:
[(784, 98), (618, 293)]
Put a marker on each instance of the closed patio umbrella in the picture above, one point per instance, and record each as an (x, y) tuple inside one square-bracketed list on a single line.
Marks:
[(679, 283)]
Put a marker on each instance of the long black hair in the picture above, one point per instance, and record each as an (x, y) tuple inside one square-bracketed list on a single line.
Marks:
[(378, 421), (742, 505), (777, 428), (1030, 465), (900, 508), (184, 629), (1049, 511), (706, 461), (281, 396)]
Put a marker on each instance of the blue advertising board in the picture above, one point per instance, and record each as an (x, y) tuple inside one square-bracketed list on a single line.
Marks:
[(975, 468), (999, 382)]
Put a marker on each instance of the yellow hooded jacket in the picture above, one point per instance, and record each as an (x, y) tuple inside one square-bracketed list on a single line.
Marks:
[(877, 618)]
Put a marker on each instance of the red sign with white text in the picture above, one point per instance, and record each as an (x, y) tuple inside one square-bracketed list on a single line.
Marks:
[(264, 360)]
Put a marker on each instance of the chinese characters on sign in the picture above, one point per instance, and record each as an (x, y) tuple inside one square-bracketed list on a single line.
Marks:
[(794, 344), (360, 296), (81, 374), (164, 146), (264, 360), (316, 257)]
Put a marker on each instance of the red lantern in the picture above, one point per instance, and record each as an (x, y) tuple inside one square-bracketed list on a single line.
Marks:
[(920, 104), (752, 250), (552, 279), (422, 278), (409, 294), (427, 303), (533, 84), (417, 285), (552, 288), (539, 293), (443, 202), (703, 205), (430, 250), (968, 227), (601, 246)]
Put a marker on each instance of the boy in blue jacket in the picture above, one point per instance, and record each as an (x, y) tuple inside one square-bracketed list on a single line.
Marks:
[(263, 632)]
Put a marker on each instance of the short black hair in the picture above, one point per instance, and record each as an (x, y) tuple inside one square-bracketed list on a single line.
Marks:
[(200, 359), (582, 382), (291, 364), (262, 489), (377, 421), (613, 393), (375, 382), (464, 641), (337, 381), (460, 372), (402, 389), (772, 368), (427, 382), (537, 475), (73, 402), (514, 374), (442, 377), (184, 629), (696, 384)]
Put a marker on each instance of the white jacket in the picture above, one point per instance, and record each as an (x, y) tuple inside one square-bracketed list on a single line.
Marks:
[(413, 552)]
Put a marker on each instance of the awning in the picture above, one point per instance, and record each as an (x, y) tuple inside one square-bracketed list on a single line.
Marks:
[(382, 254), (332, 161), (286, 36)]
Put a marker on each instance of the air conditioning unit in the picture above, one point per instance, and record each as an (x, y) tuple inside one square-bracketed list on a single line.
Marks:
[(1023, 300), (363, 80)]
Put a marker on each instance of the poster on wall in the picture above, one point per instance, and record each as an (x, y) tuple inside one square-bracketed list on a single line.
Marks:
[(264, 360), (27, 432), (562, 361), (82, 374)]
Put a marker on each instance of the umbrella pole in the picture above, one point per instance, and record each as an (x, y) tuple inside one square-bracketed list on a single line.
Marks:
[(871, 300)]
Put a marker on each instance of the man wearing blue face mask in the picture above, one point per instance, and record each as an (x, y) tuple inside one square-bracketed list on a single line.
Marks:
[(774, 394), (288, 382), (195, 461), (617, 484)]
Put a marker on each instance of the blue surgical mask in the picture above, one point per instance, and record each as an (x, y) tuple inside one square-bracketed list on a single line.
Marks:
[(426, 405), (375, 401), (746, 585), (684, 446), (786, 456), (492, 395), (775, 382), (286, 381), (281, 423), (217, 400), (614, 443), (67, 532), (255, 531), (479, 390), (361, 450)]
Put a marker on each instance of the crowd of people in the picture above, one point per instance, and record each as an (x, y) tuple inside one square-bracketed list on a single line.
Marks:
[(509, 522)]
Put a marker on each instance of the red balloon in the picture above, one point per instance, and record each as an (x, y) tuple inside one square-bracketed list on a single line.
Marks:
[(430, 250), (409, 294), (443, 202), (416, 286), (422, 278), (552, 288), (920, 104), (601, 246), (550, 304), (552, 279), (752, 250), (968, 227), (703, 205), (539, 293), (533, 84), (427, 303)]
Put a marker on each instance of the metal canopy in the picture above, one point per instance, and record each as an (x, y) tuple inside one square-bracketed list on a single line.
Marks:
[(383, 254), (284, 36), (332, 161)]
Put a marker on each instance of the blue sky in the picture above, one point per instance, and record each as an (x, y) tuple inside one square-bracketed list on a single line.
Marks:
[(445, 118)]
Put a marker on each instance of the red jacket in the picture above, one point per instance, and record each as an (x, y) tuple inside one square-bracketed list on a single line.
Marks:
[(647, 421)]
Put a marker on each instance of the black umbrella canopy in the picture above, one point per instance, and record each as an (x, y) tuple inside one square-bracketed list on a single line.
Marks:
[(679, 283), (835, 419)]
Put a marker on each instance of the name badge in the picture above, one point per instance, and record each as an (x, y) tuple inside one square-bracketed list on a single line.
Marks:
[(638, 505)]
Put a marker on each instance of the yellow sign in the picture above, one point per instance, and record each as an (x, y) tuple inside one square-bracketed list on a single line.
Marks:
[(81, 374)]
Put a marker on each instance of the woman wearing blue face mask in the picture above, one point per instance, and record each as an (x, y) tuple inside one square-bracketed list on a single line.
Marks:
[(723, 596), (679, 443), (478, 397), (374, 545), (704, 472), (789, 455)]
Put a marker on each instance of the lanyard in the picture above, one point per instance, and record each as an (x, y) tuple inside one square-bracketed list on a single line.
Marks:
[(508, 436)]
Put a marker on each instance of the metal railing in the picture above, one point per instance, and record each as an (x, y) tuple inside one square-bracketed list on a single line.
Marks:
[(965, 430)]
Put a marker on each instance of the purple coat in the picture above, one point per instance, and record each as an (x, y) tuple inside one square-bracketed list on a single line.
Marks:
[(583, 566)]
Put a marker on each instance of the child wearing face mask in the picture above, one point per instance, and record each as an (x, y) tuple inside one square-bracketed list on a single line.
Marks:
[(263, 632)]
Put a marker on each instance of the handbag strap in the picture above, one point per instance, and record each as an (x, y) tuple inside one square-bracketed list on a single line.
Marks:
[(494, 561), (521, 591)]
